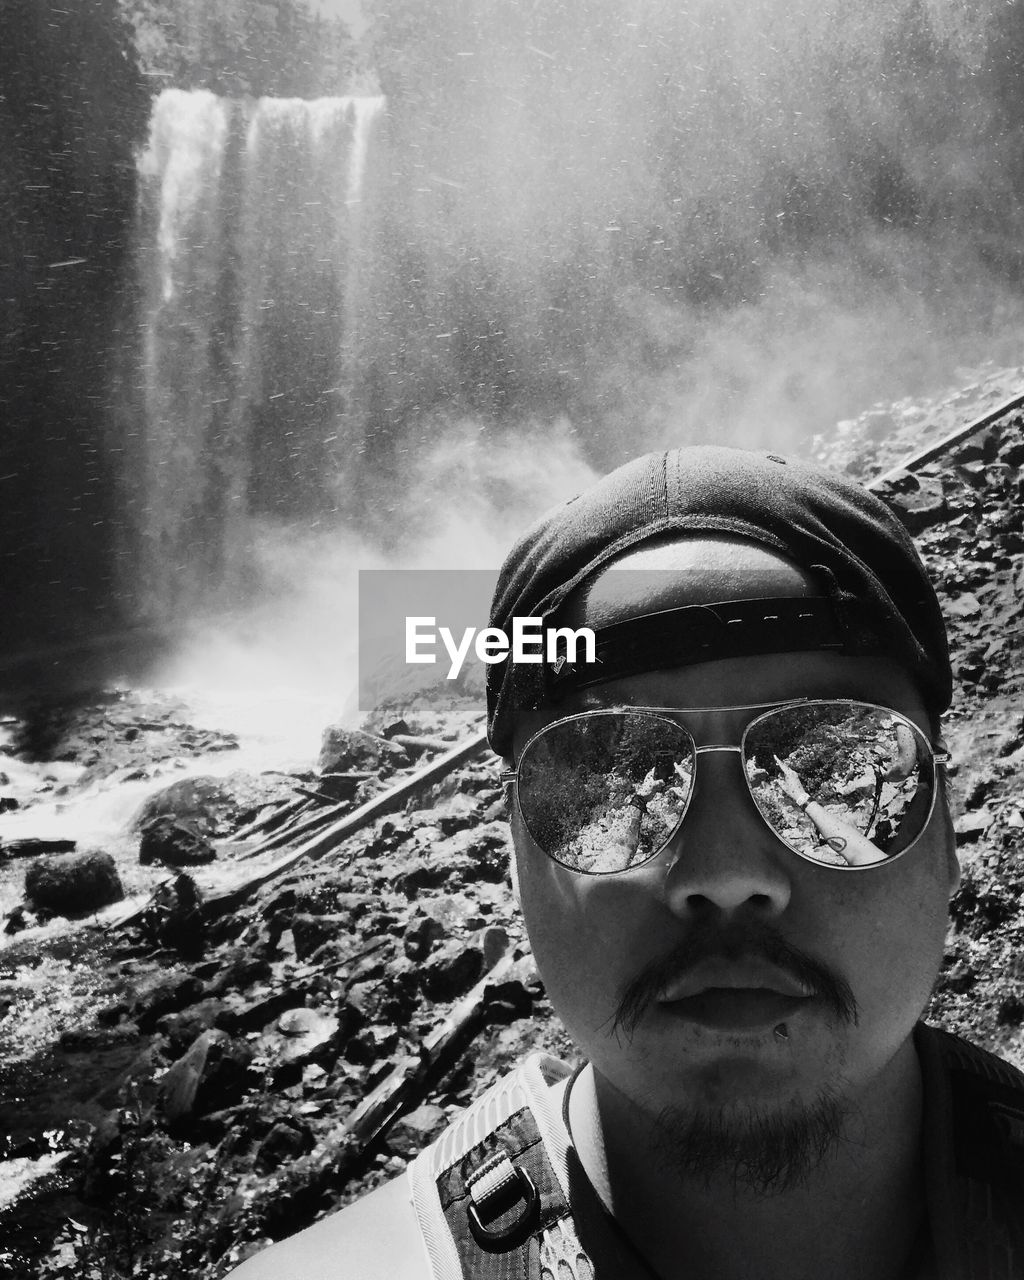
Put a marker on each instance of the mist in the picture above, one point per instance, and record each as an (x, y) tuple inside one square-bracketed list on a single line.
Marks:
[(532, 241)]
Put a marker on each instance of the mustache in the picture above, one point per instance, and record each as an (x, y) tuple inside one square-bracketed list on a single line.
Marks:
[(717, 943)]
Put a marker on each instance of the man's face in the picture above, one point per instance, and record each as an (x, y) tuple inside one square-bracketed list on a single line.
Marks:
[(726, 907)]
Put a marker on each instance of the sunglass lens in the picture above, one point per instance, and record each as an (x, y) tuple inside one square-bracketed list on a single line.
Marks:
[(603, 792), (841, 783)]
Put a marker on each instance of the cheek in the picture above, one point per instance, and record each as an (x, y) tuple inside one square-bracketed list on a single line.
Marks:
[(586, 934), (891, 938)]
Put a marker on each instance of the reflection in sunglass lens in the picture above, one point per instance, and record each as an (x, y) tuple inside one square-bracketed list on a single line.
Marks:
[(842, 783), (604, 792)]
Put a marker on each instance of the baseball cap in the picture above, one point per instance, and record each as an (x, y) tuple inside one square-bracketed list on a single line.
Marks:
[(878, 598)]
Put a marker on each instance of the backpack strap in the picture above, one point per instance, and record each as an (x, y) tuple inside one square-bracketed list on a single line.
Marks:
[(974, 1158), (499, 1199)]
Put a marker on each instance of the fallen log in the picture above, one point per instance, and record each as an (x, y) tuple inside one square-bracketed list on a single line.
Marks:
[(928, 453), (416, 744), (301, 824), (323, 842), (32, 846), (281, 813), (319, 796), (389, 802), (407, 1084)]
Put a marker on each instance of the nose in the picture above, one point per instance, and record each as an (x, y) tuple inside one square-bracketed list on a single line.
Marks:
[(724, 858)]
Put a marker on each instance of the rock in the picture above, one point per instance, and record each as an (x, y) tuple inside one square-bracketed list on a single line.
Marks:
[(411, 1134), (99, 1039), (167, 997), (180, 1084), (73, 884), (174, 918), (461, 811), (214, 1073), (345, 750), (494, 942), (200, 802), (174, 843), (971, 826), (282, 1145), (309, 933), (370, 1045), (1012, 453), (1011, 1012), (421, 874), (966, 605), (452, 970), (182, 1029), (305, 1036), (421, 936)]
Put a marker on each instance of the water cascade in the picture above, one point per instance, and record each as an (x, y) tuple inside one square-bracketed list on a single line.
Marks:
[(253, 289)]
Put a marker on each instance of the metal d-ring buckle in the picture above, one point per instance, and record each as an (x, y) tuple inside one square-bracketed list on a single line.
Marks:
[(516, 1231)]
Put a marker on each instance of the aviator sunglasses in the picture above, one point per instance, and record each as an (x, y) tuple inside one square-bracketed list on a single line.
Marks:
[(843, 784)]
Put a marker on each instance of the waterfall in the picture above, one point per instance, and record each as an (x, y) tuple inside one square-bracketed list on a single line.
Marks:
[(254, 281)]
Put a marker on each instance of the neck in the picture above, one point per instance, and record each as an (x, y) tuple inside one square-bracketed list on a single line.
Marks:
[(857, 1211)]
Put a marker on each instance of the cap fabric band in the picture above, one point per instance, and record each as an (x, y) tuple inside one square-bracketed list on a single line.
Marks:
[(878, 592), (698, 633)]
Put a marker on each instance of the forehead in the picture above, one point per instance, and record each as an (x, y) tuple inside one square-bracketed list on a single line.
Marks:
[(743, 682)]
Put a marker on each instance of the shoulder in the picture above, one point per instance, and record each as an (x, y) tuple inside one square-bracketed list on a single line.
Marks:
[(376, 1238)]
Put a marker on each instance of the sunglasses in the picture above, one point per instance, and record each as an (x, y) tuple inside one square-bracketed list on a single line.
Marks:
[(843, 784)]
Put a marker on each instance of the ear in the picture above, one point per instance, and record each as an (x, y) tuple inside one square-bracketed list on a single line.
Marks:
[(952, 861), (516, 823)]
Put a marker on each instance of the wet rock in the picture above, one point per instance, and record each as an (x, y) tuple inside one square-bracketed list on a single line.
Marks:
[(99, 1039), (73, 884), (346, 750), (174, 917), (166, 997), (174, 843)]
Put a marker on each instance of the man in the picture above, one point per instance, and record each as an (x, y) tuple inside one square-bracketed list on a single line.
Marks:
[(734, 855)]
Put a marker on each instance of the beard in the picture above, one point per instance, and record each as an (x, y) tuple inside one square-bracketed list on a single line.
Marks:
[(753, 1149)]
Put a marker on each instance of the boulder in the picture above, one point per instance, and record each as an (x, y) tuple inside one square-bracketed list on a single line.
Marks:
[(215, 806), (213, 1073), (346, 750), (174, 843), (73, 884)]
